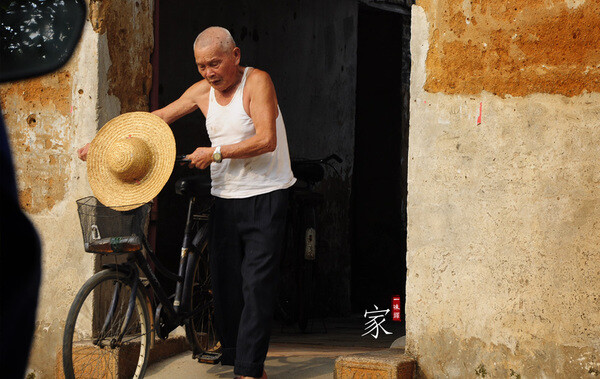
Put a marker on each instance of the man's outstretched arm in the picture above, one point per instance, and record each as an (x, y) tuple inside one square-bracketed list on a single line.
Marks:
[(186, 104)]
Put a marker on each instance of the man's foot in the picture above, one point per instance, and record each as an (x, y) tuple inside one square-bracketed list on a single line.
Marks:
[(264, 376)]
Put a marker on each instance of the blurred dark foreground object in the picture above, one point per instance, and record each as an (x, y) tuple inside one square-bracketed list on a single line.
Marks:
[(36, 37)]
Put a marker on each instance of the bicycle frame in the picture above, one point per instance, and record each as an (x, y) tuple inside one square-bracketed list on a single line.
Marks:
[(177, 311)]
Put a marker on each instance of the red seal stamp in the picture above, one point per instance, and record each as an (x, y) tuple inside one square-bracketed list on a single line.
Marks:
[(396, 308)]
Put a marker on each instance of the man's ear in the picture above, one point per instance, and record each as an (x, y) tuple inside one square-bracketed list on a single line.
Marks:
[(237, 54)]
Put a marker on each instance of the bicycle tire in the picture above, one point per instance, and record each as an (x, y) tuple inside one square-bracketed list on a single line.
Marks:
[(306, 304), (286, 305), (98, 359), (200, 328)]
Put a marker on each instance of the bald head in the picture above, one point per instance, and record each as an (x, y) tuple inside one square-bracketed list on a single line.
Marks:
[(215, 35)]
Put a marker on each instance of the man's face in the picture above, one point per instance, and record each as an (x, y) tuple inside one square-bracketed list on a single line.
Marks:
[(218, 67)]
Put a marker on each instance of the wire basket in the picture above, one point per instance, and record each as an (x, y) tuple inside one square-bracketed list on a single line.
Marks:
[(109, 230)]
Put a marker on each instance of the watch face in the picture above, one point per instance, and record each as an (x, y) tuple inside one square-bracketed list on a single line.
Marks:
[(217, 157)]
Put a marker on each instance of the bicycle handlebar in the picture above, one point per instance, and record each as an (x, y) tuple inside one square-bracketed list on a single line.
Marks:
[(309, 170), (334, 157), (182, 159)]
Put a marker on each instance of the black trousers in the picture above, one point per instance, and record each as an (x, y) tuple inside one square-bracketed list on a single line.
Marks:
[(246, 243)]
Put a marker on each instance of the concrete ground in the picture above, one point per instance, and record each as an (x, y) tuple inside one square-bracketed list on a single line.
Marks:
[(293, 354)]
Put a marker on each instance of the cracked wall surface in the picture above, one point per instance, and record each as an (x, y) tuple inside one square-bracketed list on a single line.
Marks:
[(504, 195), (48, 118), (38, 113)]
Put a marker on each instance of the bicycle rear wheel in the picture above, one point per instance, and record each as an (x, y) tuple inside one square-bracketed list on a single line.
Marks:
[(305, 306), (200, 327), (91, 346)]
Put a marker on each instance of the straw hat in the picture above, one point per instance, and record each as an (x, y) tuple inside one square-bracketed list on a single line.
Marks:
[(130, 160)]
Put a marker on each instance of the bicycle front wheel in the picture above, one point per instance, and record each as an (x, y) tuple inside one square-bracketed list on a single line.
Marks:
[(100, 339)]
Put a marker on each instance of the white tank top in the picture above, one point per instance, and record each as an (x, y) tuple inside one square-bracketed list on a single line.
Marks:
[(241, 178)]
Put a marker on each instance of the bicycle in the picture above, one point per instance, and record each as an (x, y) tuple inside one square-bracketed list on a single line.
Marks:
[(116, 314), (294, 304)]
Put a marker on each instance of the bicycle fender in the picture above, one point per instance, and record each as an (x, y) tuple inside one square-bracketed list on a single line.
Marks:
[(128, 270), (144, 291)]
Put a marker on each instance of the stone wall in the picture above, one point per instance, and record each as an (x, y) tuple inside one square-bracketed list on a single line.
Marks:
[(504, 189), (48, 119)]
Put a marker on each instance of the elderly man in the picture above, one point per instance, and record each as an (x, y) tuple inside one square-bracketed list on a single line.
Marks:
[(250, 171)]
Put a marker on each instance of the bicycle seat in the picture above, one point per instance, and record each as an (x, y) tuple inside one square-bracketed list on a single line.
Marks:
[(197, 185), (309, 172)]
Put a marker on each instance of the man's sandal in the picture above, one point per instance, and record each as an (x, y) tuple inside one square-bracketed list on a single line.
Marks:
[(264, 376)]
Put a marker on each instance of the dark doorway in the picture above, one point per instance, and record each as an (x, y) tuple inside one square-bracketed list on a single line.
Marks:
[(379, 185), (323, 58), (309, 49)]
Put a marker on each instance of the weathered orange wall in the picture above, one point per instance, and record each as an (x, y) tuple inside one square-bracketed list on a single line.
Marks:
[(37, 113), (513, 47)]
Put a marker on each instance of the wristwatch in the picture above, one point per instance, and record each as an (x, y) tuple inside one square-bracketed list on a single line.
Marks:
[(217, 157)]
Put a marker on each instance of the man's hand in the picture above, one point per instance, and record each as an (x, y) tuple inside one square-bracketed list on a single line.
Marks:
[(83, 152), (201, 158)]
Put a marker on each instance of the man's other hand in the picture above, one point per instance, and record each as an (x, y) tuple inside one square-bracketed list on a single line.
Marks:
[(201, 158), (83, 152)]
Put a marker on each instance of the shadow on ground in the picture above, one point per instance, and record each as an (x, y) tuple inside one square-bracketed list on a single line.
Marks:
[(286, 367)]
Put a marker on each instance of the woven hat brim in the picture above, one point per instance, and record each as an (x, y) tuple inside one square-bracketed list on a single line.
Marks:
[(108, 188)]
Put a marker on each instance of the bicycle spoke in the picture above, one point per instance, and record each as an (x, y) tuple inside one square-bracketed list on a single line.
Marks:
[(133, 337), (91, 338), (200, 328)]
